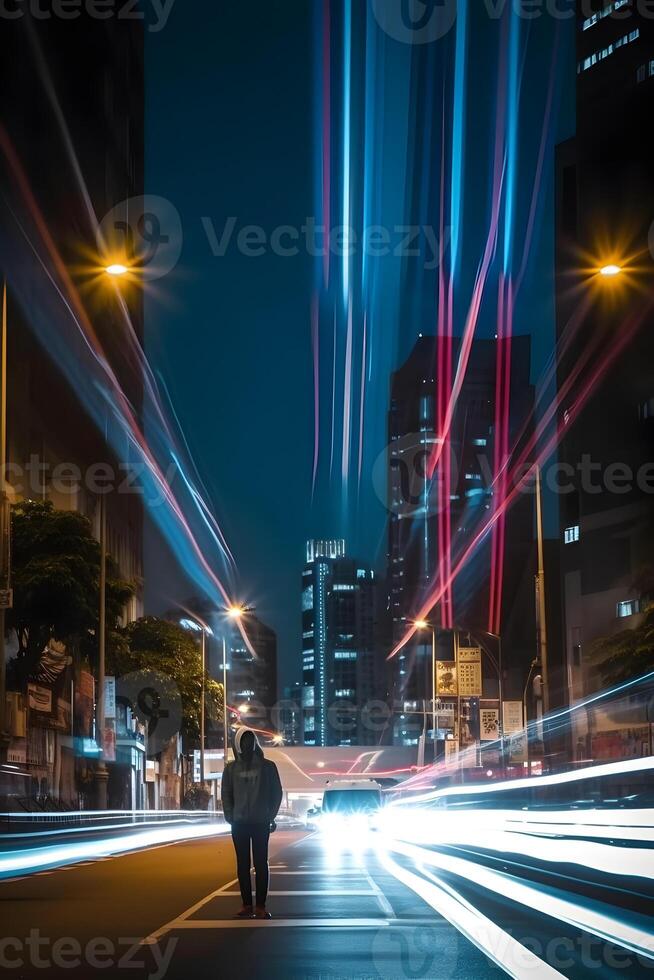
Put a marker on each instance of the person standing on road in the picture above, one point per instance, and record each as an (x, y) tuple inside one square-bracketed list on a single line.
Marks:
[(252, 794)]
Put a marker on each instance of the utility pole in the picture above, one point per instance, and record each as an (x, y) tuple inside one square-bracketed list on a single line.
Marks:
[(225, 721), (5, 530), (433, 690), (202, 705), (541, 618), (101, 771)]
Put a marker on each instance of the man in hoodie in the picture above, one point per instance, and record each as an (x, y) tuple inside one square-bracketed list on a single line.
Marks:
[(251, 795)]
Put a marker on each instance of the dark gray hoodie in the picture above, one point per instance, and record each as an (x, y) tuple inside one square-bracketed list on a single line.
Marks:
[(251, 790)]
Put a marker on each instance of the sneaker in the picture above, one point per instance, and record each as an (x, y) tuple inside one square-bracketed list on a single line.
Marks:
[(261, 913), (246, 912)]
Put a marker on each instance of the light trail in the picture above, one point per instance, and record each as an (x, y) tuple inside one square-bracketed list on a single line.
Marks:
[(601, 366), (347, 402), (550, 902), (315, 344), (39, 859), (362, 397), (118, 404), (326, 130), (499, 839), (517, 960), (347, 144)]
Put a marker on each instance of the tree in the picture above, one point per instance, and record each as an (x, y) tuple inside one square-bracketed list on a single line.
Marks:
[(627, 654), (153, 644), (55, 577)]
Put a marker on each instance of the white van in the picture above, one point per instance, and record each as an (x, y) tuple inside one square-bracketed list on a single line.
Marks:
[(361, 798)]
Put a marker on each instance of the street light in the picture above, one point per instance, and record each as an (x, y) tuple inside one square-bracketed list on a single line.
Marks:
[(101, 772), (422, 624), (5, 527), (116, 269), (204, 630), (235, 612), (610, 270)]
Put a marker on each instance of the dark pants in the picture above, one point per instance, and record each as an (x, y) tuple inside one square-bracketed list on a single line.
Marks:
[(255, 835)]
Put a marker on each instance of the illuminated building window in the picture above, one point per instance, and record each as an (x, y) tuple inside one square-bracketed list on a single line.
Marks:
[(345, 655), (646, 409), (343, 587), (571, 534), (307, 598), (344, 692), (604, 53), (604, 12), (628, 607)]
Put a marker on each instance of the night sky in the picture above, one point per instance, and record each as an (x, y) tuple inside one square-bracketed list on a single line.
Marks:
[(231, 124)]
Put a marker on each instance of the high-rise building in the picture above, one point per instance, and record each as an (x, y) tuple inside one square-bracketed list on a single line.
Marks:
[(71, 149), (289, 718), (418, 555), (340, 674), (605, 203), (252, 682)]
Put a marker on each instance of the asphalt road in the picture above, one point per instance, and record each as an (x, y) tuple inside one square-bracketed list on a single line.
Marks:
[(335, 915), (344, 911)]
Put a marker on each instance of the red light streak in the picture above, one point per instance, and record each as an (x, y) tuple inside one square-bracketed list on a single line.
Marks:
[(602, 364)]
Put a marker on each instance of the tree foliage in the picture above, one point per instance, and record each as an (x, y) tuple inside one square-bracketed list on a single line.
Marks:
[(153, 644), (627, 654), (55, 577)]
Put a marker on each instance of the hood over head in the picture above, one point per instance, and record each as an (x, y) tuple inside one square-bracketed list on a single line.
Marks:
[(240, 732)]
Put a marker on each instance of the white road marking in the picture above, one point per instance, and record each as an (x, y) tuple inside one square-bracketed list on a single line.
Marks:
[(318, 872), (174, 923), (357, 892), (287, 923), (384, 904)]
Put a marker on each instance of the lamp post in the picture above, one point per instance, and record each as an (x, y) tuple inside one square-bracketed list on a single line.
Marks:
[(204, 631), (225, 721), (500, 687), (116, 269), (101, 771), (235, 612), (5, 527), (422, 624), (541, 618)]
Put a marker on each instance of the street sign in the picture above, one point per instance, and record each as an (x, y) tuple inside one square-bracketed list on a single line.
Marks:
[(511, 717), (518, 749), (6, 598), (213, 764), (452, 753), (469, 655), (446, 684), (110, 697), (470, 683), (489, 724)]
